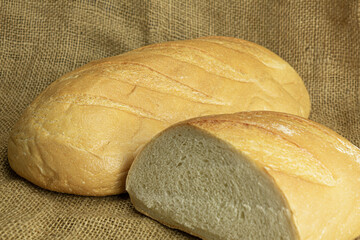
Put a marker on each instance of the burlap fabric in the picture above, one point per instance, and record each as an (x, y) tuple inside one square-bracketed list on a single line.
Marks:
[(42, 40)]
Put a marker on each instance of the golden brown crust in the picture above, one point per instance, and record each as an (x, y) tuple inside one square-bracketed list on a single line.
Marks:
[(96, 117)]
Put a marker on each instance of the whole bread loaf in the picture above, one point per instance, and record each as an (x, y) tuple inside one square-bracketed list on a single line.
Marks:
[(81, 134), (250, 175)]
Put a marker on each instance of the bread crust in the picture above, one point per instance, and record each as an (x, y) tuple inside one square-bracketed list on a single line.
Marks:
[(82, 133)]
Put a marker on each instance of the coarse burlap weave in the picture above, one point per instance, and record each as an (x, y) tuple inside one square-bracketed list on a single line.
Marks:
[(42, 40)]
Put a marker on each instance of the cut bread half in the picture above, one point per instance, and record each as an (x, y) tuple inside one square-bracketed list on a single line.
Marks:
[(251, 175)]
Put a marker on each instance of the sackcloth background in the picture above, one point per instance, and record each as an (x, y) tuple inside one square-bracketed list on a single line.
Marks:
[(42, 40)]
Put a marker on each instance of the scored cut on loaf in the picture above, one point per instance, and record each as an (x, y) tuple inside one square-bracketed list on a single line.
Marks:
[(250, 175), (81, 134)]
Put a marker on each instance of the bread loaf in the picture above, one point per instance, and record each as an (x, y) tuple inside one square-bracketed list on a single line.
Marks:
[(250, 175), (81, 134)]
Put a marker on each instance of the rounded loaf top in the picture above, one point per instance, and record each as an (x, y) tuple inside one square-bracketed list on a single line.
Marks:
[(80, 135)]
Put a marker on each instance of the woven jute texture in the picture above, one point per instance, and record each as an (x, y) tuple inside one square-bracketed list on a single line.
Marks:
[(42, 40)]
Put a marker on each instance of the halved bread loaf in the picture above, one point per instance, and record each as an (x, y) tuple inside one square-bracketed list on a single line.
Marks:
[(81, 134), (250, 175)]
